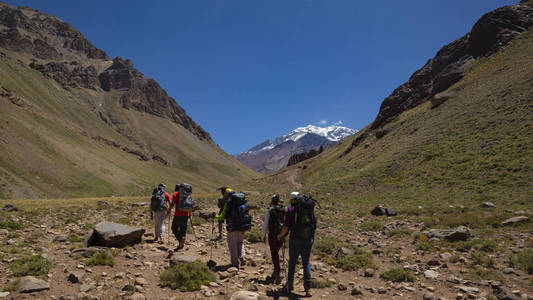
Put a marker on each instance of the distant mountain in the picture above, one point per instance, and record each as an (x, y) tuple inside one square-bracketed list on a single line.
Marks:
[(76, 123), (272, 155)]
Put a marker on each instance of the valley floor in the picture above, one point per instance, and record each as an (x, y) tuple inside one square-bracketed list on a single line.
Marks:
[(462, 270)]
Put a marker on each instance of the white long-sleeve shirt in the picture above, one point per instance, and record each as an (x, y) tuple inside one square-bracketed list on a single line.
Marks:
[(265, 225)]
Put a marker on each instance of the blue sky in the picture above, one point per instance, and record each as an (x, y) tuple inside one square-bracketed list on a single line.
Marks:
[(248, 70)]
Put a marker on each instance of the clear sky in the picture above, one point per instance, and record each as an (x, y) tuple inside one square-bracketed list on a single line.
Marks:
[(248, 70)]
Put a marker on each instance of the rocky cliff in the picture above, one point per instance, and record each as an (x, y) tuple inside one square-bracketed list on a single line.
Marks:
[(62, 53), (492, 32)]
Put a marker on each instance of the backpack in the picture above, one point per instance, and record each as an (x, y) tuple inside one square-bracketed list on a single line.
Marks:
[(305, 221), (158, 201), (185, 195), (238, 215), (276, 220)]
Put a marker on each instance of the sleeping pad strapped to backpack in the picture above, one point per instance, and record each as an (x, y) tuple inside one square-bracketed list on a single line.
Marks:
[(305, 222), (238, 216), (276, 220)]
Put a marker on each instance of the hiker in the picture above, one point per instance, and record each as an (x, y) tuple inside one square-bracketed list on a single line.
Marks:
[(238, 220), (300, 220), (225, 191), (274, 218), (181, 216), (159, 204)]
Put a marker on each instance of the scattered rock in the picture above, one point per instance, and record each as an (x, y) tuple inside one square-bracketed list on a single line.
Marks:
[(515, 221), (244, 295), (508, 271), (110, 234), (383, 211), (356, 291), (88, 252), (102, 204), (469, 290), (9, 208), (137, 296), (342, 252), (431, 274), (4, 294), (503, 293), (369, 272), (428, 297), (341, 287), (178, 259), (84, 288), (461, 233), (140, 281), (30, 284), (4, 232), (60, 238), (488, 205), (76, 276), (445, 255)]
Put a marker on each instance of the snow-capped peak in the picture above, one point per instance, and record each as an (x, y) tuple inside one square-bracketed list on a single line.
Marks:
[(333, 133)]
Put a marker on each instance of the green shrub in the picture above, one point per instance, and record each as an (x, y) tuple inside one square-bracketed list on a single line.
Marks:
[(187, 277), (100, 258), (371, 226), (477, 244), (481, 259), (480, 273), (398, 275), (34, 265), (11, 225), (320, 283), (399, 233), (523, 260), (12, 286), (253, 236), (327, 245), (74, 238), (87, 226), (421, 242), (356, 261)]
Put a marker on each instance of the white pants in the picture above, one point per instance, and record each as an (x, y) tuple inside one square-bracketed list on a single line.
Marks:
[(236, 246), (159, 220)]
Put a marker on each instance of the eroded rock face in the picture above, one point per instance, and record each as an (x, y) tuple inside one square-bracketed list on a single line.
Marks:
[(493, 31), (110, 234)]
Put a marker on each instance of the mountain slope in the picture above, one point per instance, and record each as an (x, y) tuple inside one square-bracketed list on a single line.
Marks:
[(75, 123), (270, 156), (470, 143)]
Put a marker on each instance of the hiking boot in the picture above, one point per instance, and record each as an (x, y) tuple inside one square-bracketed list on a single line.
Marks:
[(307, 293), (181, 244), (242, 261)]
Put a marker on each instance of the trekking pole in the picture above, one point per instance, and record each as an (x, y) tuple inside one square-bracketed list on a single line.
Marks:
[(284, 263), (192, 227), (168, 229)]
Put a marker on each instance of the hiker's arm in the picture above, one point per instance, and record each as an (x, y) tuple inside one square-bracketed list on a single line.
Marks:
[(223, 213), (283, 233)]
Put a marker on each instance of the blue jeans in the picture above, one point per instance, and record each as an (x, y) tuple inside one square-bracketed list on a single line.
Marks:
[(297, 248)]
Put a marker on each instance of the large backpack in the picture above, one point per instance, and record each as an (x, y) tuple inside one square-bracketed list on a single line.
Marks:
[(185, 195), (238, 214), (305, 221), (276, 220), (158, 201)]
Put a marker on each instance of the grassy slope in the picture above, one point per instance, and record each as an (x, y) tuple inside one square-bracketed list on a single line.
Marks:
[(477, 146), (46, 149)]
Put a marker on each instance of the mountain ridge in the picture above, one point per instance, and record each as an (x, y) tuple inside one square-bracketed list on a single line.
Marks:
[(272, 155)]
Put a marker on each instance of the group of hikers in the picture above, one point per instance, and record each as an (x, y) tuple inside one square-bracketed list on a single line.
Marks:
[(298, 221)]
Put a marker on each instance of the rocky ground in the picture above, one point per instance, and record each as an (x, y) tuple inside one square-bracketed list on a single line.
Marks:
[(441, 269)]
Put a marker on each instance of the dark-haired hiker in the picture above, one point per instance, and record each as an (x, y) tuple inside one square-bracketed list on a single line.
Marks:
[(300, 220), (179, 223), (274, 218), (159, 211)]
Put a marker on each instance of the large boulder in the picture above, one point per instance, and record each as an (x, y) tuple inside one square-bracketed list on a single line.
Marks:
[(461, 233), (383, 211), (110, 234), (30, 284)]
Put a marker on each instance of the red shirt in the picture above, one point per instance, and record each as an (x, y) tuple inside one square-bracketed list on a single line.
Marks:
[(179, 212)]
